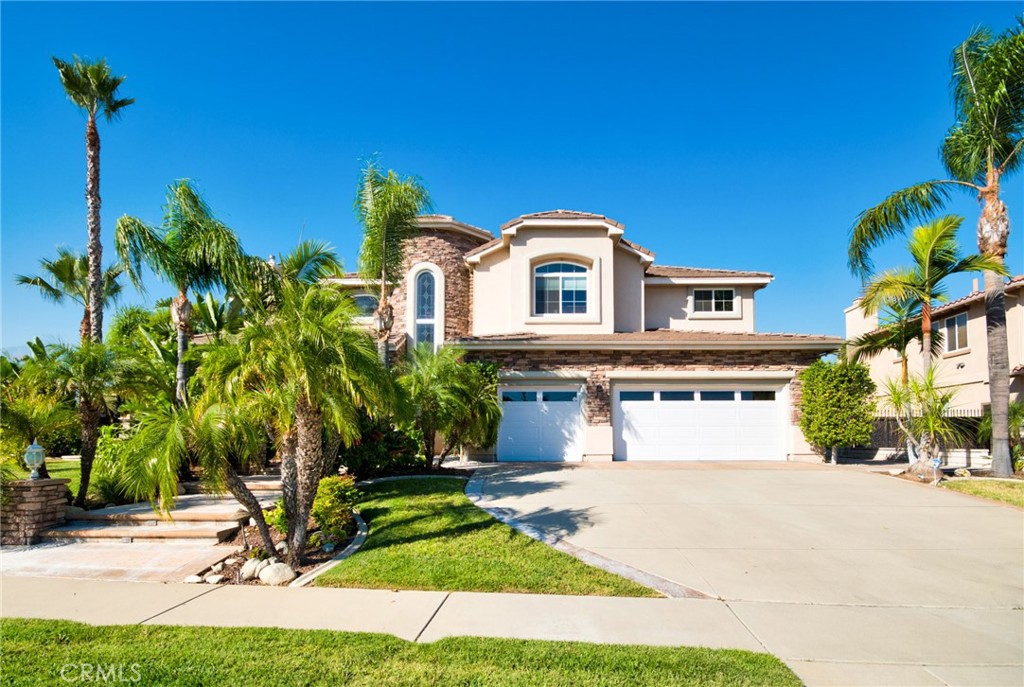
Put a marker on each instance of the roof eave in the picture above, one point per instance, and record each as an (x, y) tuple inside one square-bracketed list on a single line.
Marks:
[(821, 346)]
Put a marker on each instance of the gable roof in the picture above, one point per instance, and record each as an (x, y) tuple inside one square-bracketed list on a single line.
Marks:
[(561, 214), (692, 272)]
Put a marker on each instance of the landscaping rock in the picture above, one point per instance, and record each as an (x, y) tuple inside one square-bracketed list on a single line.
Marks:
[(251, 569), (231, 562), (214, 579), (277, 574), (328, 547), (217, 568), (962, 472), (282, 548), (193, 579), (896, 471)]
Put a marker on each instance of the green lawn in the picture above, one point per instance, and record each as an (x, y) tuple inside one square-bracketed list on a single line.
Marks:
[(994, 490), (425, 534), (35, 652), (59, 469)]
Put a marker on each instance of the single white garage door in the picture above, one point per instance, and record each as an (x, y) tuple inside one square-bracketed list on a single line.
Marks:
[(694, 424), (541, 424)]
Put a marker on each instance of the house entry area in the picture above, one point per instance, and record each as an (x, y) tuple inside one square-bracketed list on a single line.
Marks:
[(693, 423), (541, 423)]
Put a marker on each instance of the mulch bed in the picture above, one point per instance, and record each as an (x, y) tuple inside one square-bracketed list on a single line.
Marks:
[(313, 558)]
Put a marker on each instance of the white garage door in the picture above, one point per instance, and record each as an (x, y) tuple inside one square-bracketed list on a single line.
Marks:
[(695, 424), (541, 424)]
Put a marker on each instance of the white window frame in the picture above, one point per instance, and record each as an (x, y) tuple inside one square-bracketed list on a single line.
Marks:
[(364, 319), (737, 304), (950, 340), (585, 274), (410, 303)]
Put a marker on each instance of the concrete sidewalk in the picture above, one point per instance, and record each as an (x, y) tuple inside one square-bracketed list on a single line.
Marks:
[(812, 640)]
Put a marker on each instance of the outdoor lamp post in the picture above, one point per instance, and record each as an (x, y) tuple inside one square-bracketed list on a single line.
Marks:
[(34, 457)]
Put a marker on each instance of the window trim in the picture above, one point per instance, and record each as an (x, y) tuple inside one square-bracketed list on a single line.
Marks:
[(737, 304), (959, 350), (410, 303), (594, 306), (585, 274), (364, 319)]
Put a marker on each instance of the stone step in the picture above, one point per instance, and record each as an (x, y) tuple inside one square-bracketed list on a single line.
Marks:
[(258, 484), (165, 532), (151, 518)]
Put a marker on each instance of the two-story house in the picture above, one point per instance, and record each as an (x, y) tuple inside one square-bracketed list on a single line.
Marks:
[(603, 354), (963, 361)]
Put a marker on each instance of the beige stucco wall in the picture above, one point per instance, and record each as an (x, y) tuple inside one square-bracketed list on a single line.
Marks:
[(629, 291), (503, 283), (671, 307), (966, 369)]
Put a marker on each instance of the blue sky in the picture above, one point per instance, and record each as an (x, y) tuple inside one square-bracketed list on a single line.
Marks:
[(730, 135)]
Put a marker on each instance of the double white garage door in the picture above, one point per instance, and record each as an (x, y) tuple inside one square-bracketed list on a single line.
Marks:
[(649, 423)]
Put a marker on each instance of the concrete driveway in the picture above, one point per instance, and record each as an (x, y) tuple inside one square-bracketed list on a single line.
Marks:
[(852, 578)]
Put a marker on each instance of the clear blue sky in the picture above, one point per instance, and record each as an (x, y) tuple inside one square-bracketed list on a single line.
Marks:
[(743, 136)]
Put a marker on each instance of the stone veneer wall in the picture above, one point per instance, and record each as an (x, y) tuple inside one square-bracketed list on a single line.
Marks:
[(32, 506), (597, 404), (446, 250)]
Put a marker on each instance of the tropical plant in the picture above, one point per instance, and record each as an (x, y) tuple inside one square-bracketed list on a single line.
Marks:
[(936, 257), (93, 88), (1016, 429), (837, 405), (450, 398), (192, 250), (921, 409), (305, 367), (217, 318), (896, 331), (981, 149), (88, 373), (387, 206), (336, 496), (67, 277)]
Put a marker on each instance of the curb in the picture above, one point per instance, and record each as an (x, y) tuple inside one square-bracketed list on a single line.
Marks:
[(673, 590), (361, 533)]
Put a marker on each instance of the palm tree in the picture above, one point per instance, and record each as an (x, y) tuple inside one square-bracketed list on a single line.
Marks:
[(936, 257), (921, 409), (449, 398), (981, 149), (192, 250), (88, 373), (93, 88), (897, 330), (387, 206), (67, 277), (311, 367)]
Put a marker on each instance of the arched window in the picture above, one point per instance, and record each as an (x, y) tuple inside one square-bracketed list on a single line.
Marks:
[(426, 305), (366, 304), (559, 288)]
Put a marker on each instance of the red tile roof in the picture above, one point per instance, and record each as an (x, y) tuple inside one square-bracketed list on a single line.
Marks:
[(562, 214), (659, 337)]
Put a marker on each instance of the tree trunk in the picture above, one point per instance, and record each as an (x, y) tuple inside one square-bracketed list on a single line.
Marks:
[(94, 246), (993, 233), (249, 501), (331, 448), (85, 328), (89, 417), (181, 314), (926, 335), (289, 478), (385, 318), (309, 458)]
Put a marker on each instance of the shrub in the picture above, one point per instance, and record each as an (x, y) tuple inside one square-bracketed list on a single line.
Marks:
[(332, 507), (276, 517), (837, 407), (107, 483), (381, 450), (62, 441)]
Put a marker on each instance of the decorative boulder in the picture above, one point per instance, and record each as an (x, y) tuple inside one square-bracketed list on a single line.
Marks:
[(214, 579), (217, 568), (277, 574), (193, 579), (282, 548), (328, 547), (251, 569), (962, 472)]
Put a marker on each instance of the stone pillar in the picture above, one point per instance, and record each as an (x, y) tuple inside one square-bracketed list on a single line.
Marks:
[(30, 507), (598, 437)]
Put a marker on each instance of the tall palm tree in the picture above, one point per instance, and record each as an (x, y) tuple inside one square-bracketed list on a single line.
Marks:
[(192, 250), (936, 257), (67, 277), (309, 367), (981, 149), (92, 87), (387, 206)]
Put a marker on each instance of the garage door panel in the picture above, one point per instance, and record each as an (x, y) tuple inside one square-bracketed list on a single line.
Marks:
[(541, 425), (720, 424)]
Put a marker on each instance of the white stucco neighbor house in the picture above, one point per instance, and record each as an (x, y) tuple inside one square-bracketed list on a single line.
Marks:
[(603, 354)]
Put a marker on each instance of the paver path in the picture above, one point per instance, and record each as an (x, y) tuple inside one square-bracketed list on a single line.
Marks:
[(852, 578)]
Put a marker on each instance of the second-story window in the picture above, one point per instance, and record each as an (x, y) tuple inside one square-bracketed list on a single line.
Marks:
[(713, 300), (425, 308), (560, 288), (956, 333)]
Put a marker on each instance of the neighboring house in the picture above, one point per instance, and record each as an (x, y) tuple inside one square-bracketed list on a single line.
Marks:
[(962, 365), (603, 354)]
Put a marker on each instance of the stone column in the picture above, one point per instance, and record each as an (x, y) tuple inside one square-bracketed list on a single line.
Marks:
[(30, 507), (598, 438)]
